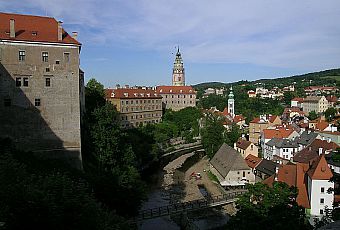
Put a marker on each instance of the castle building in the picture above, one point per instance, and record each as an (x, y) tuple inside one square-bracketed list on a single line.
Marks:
[(41, 86), (136, 106), (178, 96)]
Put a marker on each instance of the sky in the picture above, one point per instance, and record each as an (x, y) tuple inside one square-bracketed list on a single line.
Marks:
[(134, 41)]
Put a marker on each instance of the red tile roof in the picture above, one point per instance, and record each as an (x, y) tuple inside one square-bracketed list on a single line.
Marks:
[(321, 125), (238, 118), (298, 99), (270, 118), (319, 169), (131, 93), (33, 28), (301, 184), (175, 90), (332, 98), (324, 144), (287, 174), (252, 161), (278, 133), (243, 144)]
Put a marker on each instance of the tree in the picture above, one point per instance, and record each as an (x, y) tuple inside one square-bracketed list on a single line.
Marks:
[(330, 113), (288, 96), (312, 115), (212, 135), (264, 207), (94, 95)]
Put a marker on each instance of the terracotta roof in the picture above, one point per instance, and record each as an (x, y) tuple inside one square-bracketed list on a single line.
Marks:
[(321, 125), (33, 28), (225, 112), (270, 118), (287, 174), (324, 144), (319, 169), (175, 90), (292, 109), (238, 118), (243, 144), (298, 99), (332, 98), (131, 93), (313, 88), (252, 161), (278, 133), (301, 184), (305, 155)]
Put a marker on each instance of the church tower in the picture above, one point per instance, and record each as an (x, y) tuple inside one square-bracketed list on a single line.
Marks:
[(178, 78), (231, 103)]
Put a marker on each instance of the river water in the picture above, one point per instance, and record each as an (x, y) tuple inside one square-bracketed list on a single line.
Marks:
[(161, 195)]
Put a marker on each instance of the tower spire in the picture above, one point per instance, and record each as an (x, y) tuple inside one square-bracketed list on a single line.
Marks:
[(178, 77)]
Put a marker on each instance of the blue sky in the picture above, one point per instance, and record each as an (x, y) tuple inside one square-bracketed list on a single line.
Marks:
[(133, 41)]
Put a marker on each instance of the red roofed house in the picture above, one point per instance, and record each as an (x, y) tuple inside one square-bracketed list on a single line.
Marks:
[(313, 182), (279, 133), (258, 124), (297, 102), (41, 86), (332, 100), (137, 106), (246, 147), (320, 89)]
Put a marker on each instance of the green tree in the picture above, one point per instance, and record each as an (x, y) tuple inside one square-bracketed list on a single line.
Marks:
[(264, 207), (212, 135), (94, 95), (330, 113), (312, 115), (288, 96)]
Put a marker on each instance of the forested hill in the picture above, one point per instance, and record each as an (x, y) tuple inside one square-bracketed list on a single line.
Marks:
[(317, 78)]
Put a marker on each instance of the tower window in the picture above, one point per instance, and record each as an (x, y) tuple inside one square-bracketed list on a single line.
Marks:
[(21, 55), (45, 56), (37, 102), (67, 57), (47, 82), (18, 82), (25, 82)]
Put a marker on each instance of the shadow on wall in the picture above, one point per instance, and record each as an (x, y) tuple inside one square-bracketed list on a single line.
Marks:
[(22, 121)]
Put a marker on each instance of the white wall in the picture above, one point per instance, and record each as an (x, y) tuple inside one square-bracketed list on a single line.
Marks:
[(316, 195)]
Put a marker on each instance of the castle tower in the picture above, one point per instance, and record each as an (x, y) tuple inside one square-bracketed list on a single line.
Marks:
[(178, 78), (231, 103)]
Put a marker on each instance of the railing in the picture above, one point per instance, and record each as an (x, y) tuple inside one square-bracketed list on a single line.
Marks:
[(211, 201)]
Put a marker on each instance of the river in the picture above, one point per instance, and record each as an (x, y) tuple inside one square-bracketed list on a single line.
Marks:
[(165, 187)]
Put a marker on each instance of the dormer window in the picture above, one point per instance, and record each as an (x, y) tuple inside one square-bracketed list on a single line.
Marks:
[(112, 94), (170, 90), (148, 94), (181, 91), (135, 94), (34, 33), (142, 94), (161, 90), (126, 94)]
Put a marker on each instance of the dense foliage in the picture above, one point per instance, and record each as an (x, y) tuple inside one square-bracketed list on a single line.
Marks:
[(264, 207), (41, 194)]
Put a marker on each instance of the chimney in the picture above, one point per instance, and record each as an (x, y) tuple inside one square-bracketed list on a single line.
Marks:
[(320, 151), (75, 35), (328, 140), (12, 28), (60, 31)]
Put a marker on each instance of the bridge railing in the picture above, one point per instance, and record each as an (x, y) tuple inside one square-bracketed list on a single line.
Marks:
[(187, 206)]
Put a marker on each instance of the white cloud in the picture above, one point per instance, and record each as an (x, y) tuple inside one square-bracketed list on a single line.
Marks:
[(291, 34)]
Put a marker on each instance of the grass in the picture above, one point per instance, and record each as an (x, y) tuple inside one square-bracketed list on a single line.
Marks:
[(212, 176)]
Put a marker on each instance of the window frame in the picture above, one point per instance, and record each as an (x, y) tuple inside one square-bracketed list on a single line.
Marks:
[(37, 102), (22, 55), (44, 56)]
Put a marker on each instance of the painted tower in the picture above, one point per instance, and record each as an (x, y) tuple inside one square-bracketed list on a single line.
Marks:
[(231, 103), (178, 78)]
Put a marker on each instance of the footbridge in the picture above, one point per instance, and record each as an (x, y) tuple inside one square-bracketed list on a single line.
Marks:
[(178, 208)]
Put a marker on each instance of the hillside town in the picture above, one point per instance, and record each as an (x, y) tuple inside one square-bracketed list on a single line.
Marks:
[(214, 145)]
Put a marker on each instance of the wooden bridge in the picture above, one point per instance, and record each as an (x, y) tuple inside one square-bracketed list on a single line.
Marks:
[(208, 202)]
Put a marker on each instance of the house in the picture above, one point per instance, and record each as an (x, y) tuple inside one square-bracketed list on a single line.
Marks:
[(282, 132), (333, 160), (319, 104), (265, 169), (230, 168), (306, 138), (258, 124), (332, 100), (283, 148), (312, 180), (41, 86), (136, 105), (252, 161), (291, 112), (246, 147), (317, 90), (334, 136), (251, 93), (318, 124), (297, 102)]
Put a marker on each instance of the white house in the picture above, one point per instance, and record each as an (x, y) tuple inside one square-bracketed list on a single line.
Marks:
[(282, 148)]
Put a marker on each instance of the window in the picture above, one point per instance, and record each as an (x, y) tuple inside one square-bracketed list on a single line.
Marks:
[(322, 189), (321, 211), (67, 57), (21, 55), (244, 174), (45, 56), (7, 102), (18, 82), (37, 102), (322, 200), (25, 83), (57, 62), (47, 82), (47, 69)]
